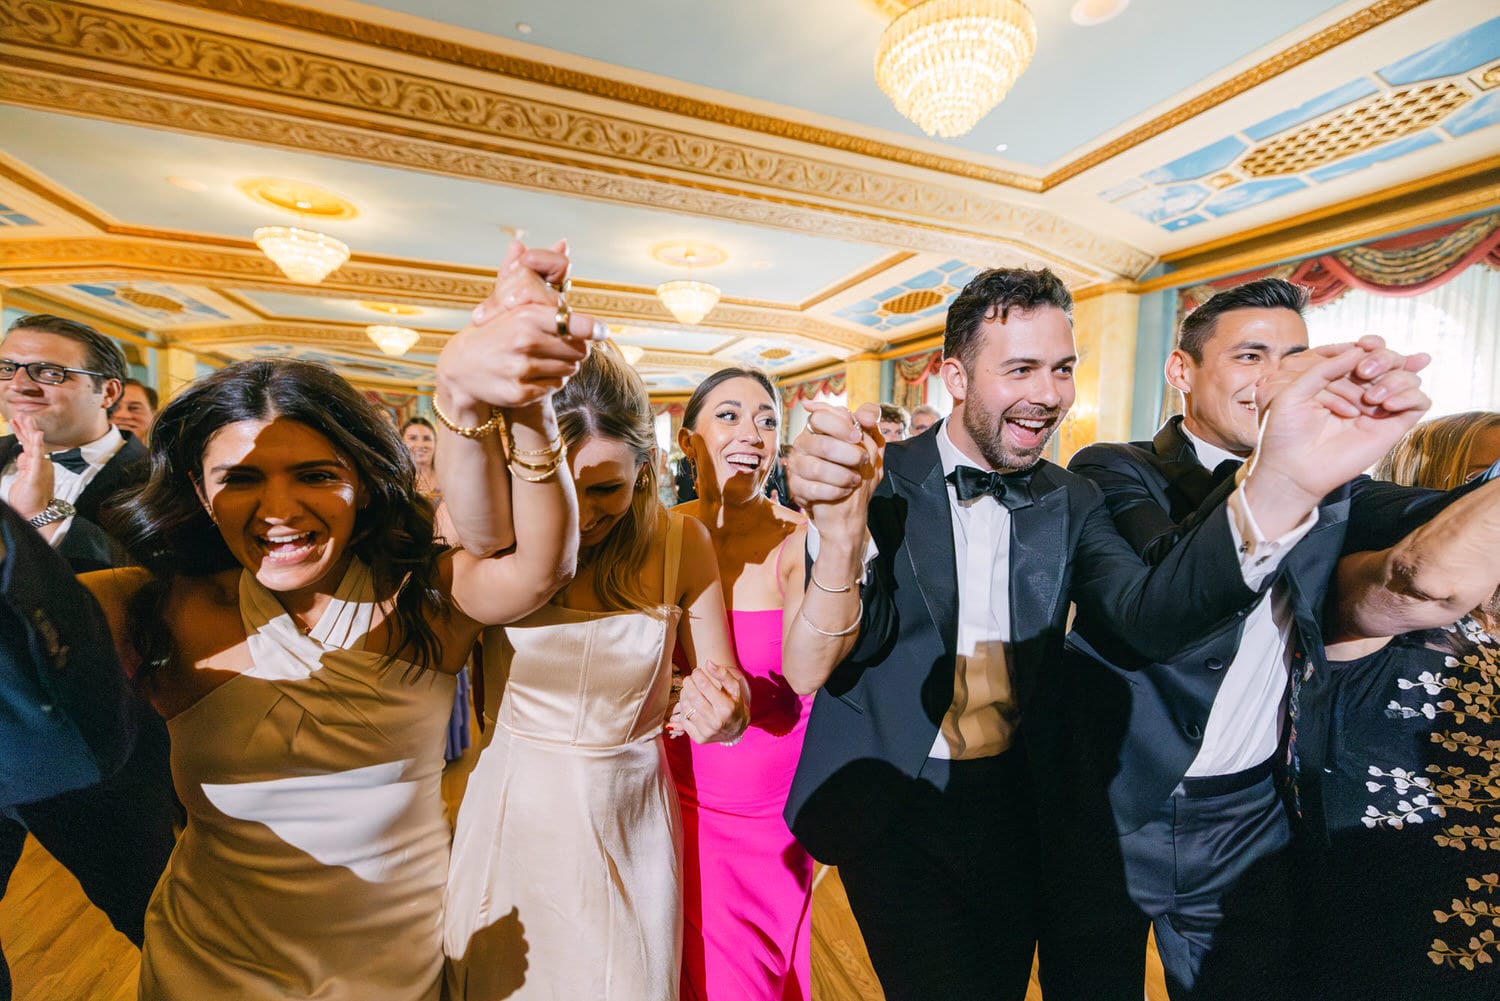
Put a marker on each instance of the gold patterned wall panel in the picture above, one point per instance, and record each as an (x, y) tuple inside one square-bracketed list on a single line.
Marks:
[(68, 43)]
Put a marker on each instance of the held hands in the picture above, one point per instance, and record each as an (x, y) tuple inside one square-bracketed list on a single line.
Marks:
[(514, 353), (1331, 412), (713, 706), (836, 464), (32, 490)]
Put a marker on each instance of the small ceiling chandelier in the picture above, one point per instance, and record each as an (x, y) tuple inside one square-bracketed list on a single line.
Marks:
[(689, 301), (393, 340), (945, 63), (303, 255)]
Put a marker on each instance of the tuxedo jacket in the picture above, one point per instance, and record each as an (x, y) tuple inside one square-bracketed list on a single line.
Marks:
[(66, 716), (875, 720), (1136, 720), (87, 546)]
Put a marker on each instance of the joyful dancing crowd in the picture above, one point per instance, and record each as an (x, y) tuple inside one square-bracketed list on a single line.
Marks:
[(1218, 683)]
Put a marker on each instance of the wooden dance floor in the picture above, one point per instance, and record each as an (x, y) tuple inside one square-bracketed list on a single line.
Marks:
[(61, 948)]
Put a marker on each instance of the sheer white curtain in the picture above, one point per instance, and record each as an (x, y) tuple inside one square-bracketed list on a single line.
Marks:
[(796, 414), (1458, 324)]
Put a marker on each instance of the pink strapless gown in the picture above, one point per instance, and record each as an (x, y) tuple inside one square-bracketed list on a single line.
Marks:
[(747, 883)]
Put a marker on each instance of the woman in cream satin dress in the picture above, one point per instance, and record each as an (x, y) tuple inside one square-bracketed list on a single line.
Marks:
[(298, 628), (565, 877)]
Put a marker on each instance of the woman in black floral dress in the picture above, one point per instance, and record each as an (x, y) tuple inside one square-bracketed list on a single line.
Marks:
[(1396, 749)]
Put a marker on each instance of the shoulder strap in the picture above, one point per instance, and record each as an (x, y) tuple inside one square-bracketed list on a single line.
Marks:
[(671, 563)]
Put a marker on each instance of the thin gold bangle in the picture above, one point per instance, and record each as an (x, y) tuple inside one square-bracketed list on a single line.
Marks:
[(497, 417), (512, 450), (842, 632)]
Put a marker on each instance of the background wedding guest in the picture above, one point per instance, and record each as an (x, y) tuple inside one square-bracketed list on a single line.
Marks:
[(59, 383), (924, 417), (747, 883), (297, 626), (420, 439), (894, 422), (565, 879), (1395, 747), (136, 410)]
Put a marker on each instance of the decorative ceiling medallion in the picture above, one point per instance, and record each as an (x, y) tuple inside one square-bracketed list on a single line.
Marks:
[(775, 354), (1487, 79), (689, 254), (297, 197), (150, 300), (391, 308), (1223, 180), (913, 302), (1374, 122)]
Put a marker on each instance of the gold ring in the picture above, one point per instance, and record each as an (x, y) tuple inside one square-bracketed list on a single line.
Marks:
[(689, 713), (561, 288), (564, 314)]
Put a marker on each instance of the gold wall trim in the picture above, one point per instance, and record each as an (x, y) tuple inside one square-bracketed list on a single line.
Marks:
[(333, 336), (50, 39), (330, 25), (1353, 26)]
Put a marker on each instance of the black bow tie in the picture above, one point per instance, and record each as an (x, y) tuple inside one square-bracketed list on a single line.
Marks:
[(1226, 470), (71, 459), (1011, 489)]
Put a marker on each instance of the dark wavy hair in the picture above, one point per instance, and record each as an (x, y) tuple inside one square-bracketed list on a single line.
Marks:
[(992, 295), (164, 527)]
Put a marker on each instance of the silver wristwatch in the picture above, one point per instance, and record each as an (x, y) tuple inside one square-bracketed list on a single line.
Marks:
[(56, 510)]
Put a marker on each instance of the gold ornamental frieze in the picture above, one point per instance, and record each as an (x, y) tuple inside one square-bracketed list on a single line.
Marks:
[(385, 116)]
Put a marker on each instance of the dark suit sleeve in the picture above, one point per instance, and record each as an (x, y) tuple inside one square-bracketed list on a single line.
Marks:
[(1140, 515), (1381, 514), (1160, 611)]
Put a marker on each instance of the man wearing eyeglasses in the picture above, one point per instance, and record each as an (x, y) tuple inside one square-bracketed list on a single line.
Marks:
[(59, 381)]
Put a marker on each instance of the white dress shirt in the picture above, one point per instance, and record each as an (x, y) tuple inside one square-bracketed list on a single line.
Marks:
[(1244, 724), (66, 484)]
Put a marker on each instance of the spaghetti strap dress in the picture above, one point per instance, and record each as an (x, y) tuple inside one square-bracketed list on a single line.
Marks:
[(565, 877), (315, 839), (747, 883)]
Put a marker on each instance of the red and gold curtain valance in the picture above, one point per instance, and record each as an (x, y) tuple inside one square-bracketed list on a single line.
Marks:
[(828, 385), (1405, 265), (918, 368), (675, 409)]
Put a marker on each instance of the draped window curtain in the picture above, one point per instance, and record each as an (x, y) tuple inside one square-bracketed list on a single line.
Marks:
[(912, 376), (1436, 290), (827, 389)]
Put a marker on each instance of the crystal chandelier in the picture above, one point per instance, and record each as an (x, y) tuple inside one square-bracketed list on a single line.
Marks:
[(690, 302), (945, 63), (393, 340), (303, 255)]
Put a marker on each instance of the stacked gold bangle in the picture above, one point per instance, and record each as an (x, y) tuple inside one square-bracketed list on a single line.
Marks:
[(520, 462), (496, 421)]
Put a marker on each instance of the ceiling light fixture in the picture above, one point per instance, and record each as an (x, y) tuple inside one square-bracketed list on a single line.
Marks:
[(304, 256), (632, 353), (945, 63), (1091, 12), (393, 340), (689, 301)]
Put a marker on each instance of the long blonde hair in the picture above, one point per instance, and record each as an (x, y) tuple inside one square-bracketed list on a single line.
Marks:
[(1435, 454), (607, 399)]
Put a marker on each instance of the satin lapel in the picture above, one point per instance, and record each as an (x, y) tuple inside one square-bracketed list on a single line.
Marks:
[(10, 447), (1179, 465), (1038, 557), (928, 534)]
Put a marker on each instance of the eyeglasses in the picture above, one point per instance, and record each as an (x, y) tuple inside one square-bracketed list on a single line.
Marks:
[(43, 372)]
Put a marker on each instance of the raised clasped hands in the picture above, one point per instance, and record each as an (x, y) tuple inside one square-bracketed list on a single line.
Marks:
[(514, 353), (713, 706), (33, 488), (836, 464), (1331, 412)]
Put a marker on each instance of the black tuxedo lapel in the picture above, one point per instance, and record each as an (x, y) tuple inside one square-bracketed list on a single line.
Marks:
[(10, 447), (1180, 466), (1039, 550), (917, 474), (125, 468)]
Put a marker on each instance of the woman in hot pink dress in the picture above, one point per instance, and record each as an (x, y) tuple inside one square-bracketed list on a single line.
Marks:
[(747, 883)]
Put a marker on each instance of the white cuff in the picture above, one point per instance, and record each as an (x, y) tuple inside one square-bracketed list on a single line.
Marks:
[(1259, 556), (813, 542)]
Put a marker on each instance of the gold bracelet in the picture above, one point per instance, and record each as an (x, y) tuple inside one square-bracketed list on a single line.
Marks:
[(842, 632), (553, 460), (510, 444), (497, 418), (542, 472)]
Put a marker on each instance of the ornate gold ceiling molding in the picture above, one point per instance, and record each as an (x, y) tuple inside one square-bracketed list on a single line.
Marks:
[(1353, 26), (441, 50), (61, 55), (348, 337), (673, 360), (71, 260)]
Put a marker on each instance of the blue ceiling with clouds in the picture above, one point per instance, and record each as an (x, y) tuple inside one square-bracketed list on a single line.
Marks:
[(1183, 193)]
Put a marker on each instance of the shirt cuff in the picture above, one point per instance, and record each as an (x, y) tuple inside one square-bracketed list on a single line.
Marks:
[(871, 549), (1259, 556)]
